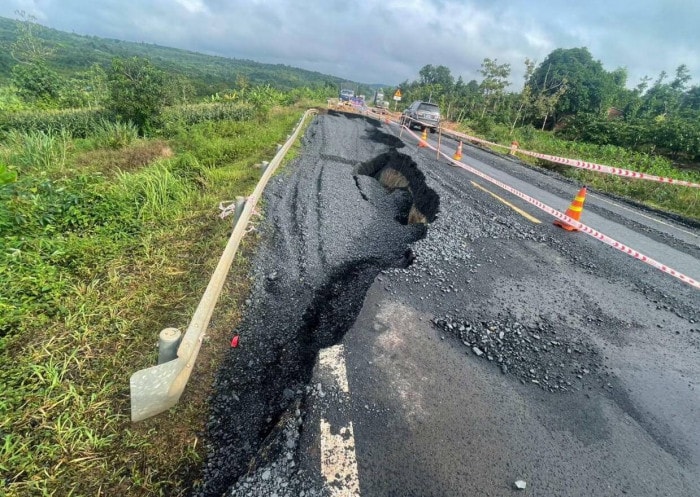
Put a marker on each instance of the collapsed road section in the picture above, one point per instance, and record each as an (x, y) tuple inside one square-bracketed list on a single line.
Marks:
[(491, 348), (337, 217)]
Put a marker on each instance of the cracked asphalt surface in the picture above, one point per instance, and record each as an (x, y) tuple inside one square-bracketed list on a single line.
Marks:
[(481, 348)]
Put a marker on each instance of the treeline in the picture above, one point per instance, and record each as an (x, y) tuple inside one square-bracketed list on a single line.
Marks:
[(572, 94), (50, 69)]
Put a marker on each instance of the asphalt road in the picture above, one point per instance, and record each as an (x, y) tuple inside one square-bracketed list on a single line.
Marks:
[(380, 358)]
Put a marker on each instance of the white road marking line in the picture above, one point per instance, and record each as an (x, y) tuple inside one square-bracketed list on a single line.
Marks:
[(598, 197), (333, 361), (338, 459)]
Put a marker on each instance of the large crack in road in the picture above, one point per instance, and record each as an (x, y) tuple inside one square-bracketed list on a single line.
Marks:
[(336, 220)]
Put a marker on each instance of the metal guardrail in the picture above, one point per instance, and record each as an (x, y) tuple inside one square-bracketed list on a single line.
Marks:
[(158, 388)]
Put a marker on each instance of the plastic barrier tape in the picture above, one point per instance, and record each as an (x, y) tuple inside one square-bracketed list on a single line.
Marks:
[(582, 227), (627, 173)]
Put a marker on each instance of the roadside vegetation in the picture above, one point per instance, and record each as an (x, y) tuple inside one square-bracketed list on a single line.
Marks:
[(106, 240)]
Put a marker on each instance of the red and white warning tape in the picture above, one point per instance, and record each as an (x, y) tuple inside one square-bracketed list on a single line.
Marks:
[(627, 173), (582, 227)]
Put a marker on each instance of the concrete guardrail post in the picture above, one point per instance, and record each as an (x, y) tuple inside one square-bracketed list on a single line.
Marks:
[(168, 342)]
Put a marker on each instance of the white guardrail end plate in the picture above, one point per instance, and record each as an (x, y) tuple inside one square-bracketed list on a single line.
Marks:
[(150, 390)]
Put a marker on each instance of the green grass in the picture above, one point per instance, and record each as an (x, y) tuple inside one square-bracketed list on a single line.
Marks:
[(41, 150), (675, 199), (94, 262), (111, 134)]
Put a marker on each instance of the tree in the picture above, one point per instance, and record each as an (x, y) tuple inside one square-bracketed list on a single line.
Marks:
[(547, 98), (546, 102), (85, 89), (590, 88), (525, 97), (28, 48), (437, 76), (666, 99), (691, 99), (181, 90), (632, 99), (35, 81), (494, 83), (680, 82), (138, 91)]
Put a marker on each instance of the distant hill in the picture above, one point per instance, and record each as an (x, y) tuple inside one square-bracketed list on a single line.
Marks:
[(209, 74)]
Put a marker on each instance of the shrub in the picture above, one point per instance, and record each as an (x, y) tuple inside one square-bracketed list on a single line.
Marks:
[(111, 134)]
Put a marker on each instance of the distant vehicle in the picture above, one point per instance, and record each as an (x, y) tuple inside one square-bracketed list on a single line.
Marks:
[(423, 115), (358, 101), (346, 95), (379, 101)]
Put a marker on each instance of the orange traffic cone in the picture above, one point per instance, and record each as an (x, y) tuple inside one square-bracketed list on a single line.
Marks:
[(574, 210), (458, 153), (423, 142)]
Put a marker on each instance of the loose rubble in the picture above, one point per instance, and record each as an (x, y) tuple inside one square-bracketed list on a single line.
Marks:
[(536, 355)]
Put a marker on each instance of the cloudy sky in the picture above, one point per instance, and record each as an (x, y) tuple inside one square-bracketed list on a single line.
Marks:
[(388, 41)]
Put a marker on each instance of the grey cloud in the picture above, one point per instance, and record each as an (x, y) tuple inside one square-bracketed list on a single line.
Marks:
[(389, 41)]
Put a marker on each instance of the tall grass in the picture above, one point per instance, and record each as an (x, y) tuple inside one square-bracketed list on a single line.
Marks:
[(159, 194), (114, 134), (42, 150)]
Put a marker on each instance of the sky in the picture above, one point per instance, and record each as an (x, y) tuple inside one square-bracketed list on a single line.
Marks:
[(389, 41)]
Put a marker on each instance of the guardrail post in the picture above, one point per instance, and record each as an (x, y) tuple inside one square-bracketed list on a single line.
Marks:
[(263, 166), (240, 205), (513, 147), (168, 342)]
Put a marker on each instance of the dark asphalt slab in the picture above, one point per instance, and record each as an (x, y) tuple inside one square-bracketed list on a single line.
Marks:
[(505, 351)]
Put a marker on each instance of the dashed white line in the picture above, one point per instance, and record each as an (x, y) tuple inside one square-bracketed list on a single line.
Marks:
[(333, 361), (338, 461), (338, 458)]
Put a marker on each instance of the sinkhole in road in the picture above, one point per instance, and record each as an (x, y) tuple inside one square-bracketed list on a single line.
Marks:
[(265, 380), (395, 170)]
